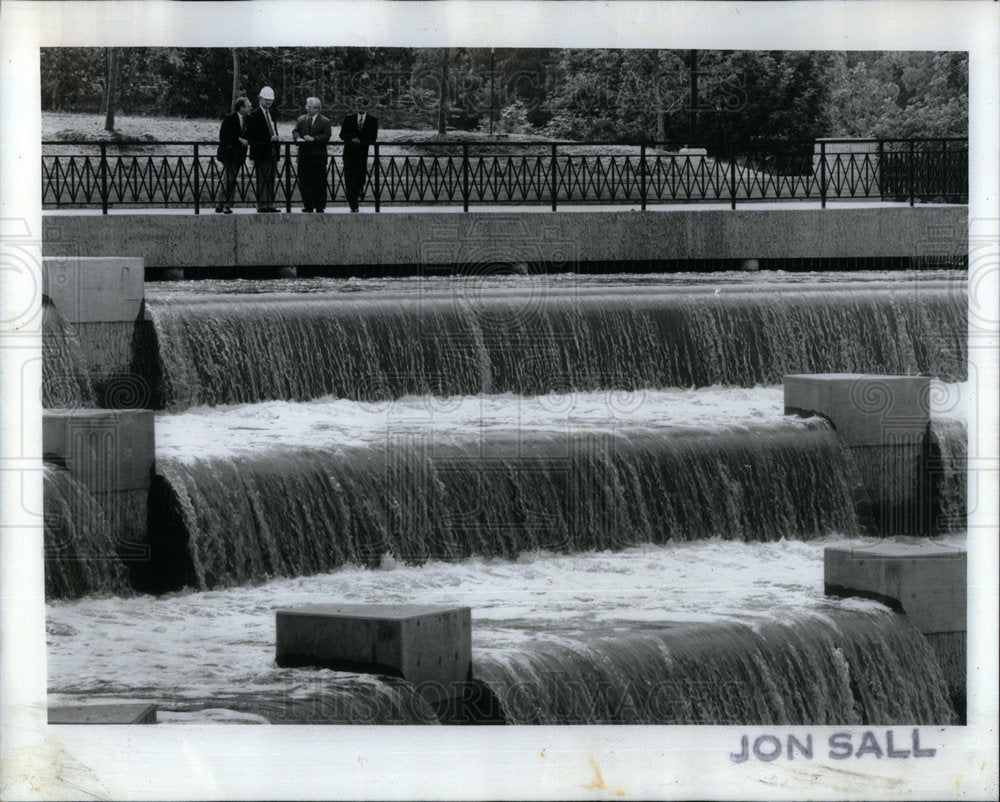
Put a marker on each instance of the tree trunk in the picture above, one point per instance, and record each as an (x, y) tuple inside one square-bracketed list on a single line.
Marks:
[(237, 79), (443, 97), (661, 112), (693, 99), (104, 94), (112, 90)]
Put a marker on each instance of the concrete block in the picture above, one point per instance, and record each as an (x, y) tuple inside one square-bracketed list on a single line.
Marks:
[(866, 410), (103, 714), (104, 289), (427, 645), (925, 581), (405, 237), (106, 450)]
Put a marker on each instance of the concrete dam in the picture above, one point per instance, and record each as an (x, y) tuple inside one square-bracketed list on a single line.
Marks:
[(660, 495)]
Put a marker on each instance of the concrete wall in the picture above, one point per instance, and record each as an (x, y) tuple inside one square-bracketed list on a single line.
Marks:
[(430, 646), (111, 453), (89, 290), (928, 583), (883, 421), (188, 240), (101, 300)]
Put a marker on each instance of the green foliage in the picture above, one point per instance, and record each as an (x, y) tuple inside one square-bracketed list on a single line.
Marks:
[(900, 94), (574, 94), (642, 94), (72, 78)]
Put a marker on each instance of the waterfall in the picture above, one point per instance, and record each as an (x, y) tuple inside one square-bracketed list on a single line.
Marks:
[(949, 470), (849, 668), (236, 349), (291, 512), (80, 552), (66, 379)]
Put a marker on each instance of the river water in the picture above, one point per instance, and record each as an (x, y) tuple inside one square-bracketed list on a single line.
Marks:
[(636, 526)]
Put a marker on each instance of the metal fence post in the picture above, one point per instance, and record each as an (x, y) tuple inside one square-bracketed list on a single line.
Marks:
[(378, 180), (880, 170), (822, 175), (732, 179), (909, 174), (197, 181), (288, 178), (465, 176), (942, 180), (104, 178), (554, 177), (642, 174)]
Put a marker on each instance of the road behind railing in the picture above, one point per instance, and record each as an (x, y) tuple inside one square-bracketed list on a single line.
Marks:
[(106, 175)]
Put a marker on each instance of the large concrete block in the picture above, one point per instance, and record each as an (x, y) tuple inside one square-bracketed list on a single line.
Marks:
[(106, 450), (103, 714), (866, 410), (925, 581), (427, 645), (104, 289)]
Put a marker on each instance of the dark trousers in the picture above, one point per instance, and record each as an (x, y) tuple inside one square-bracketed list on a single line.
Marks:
[(265, 171), (355, 169), (312, 182), (230, 172)]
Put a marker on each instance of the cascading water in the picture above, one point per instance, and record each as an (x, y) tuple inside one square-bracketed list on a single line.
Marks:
[(673, 491), (81, 557), (66, 381), (950, 474), (288, 512), (841, 669), (237, 349)]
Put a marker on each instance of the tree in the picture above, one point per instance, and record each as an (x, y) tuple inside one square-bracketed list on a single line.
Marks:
[(442, 116), (111, 90), (895, 95), (237, 78)]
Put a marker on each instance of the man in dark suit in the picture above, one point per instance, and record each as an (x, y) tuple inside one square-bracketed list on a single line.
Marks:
[(359, 131), (232, 152), (262, 133), (312, 132)]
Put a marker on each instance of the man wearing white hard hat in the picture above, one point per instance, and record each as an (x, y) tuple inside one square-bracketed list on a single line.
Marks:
[(262, 133)]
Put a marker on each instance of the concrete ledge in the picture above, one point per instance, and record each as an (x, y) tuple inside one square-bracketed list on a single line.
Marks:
[(435, 238), (103, 714), (104, 289), (427, 645), (865, 410), (105, 450), (924, 581)]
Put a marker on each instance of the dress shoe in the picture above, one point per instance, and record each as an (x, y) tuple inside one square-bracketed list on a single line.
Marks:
[(219, 209), (272, 210), (354, 208), (307, 211), (227, 210)]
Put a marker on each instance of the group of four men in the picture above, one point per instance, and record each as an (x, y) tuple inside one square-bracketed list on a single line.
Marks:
[(254, 131)]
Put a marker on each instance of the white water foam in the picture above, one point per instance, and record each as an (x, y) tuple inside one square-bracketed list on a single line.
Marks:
[(189, 646)]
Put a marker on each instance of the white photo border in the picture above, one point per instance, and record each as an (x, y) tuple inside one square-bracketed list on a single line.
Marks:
[(354, 762)]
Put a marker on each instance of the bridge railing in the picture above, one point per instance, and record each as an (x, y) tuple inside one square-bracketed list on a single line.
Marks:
[(109, 175)]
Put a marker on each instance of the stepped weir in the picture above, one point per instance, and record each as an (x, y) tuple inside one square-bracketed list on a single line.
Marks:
[(411, 441)]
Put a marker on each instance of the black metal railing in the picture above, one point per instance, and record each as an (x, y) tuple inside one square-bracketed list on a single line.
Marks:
[(187, 174)]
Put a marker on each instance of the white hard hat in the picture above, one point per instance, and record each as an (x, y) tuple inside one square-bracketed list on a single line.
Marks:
[(267, 93)]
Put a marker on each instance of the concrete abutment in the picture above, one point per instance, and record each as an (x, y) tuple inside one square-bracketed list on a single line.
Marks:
[(884, 424), (925, 582), (747, 236)]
